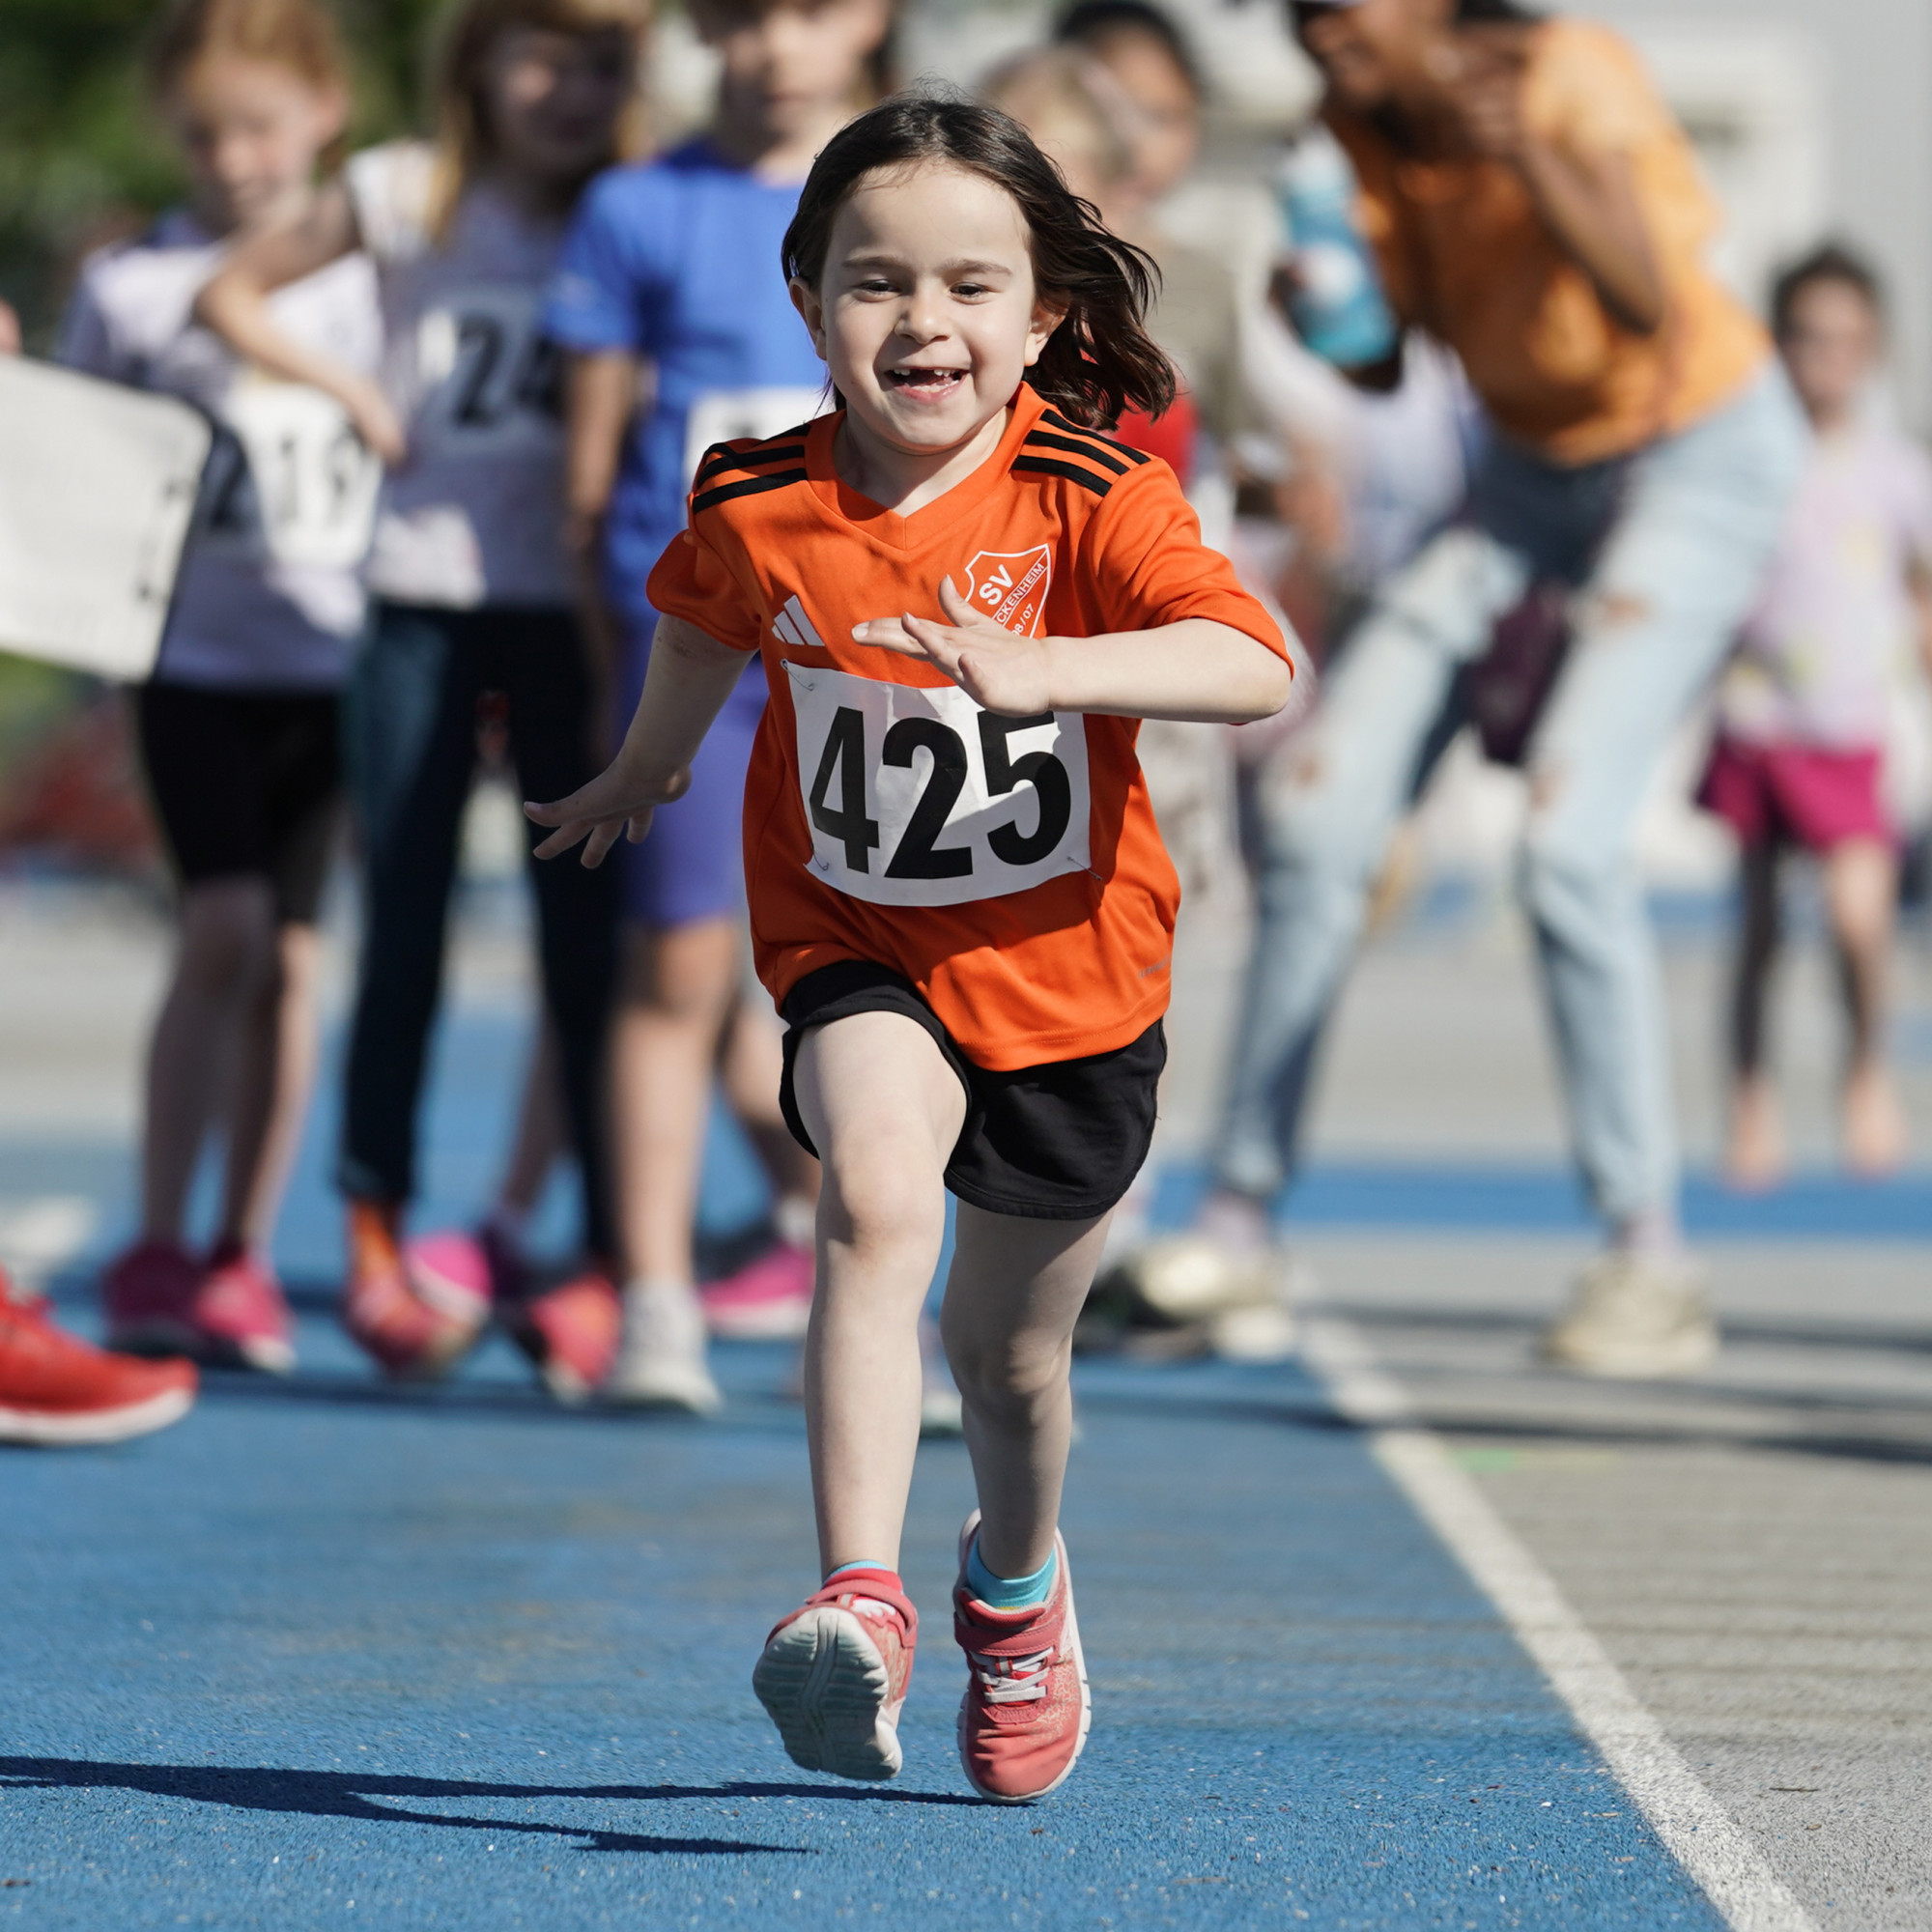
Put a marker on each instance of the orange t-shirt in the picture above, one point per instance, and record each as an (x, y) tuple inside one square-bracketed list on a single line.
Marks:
[(1009, 868), (1465, 255)]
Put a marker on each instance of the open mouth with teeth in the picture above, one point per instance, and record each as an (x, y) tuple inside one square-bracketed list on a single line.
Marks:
[(928, 385)]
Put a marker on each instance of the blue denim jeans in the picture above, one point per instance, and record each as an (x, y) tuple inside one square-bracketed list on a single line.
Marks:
[(1666, 549)]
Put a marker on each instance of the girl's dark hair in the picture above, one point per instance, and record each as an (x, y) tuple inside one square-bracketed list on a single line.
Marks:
[(1100, 361), (1831, 263), (1493, 10), (1087, 23)]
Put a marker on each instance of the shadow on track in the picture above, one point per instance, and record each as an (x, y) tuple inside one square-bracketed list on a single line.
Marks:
[(342, 1794)]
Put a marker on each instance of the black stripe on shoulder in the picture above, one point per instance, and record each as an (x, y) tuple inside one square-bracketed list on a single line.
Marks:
[(1047, 466), (1039, 440), (752, 486), (722, 458), (1125, 449)]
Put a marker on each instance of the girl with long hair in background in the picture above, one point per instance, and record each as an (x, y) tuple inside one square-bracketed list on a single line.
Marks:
[(474, 593)]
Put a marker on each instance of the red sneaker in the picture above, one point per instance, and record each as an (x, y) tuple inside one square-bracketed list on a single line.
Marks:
[(768, 1300), (1026, 1710), (55, 1389), (240, 1316), (570, 1332), (150, 1290), (834, 1675), (416, 1334)]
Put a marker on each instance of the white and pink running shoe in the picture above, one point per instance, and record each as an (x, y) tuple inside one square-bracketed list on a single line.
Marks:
[(834, 1675), (1026, 1712), (769, 1299)]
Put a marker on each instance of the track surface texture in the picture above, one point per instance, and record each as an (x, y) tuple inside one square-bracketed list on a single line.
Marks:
[(328, 1654)]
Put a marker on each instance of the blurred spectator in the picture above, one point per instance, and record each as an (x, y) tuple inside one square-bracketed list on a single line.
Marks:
[(1803, 711), (238, 725), (1533, 206)]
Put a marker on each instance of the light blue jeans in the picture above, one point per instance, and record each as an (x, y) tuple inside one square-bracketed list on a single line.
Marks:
[(1667, 548)]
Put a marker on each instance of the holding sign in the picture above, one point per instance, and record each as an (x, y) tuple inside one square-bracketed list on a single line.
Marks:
[(98, 486)]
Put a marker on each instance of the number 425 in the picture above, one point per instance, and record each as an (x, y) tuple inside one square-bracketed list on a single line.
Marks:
[(920, 855)]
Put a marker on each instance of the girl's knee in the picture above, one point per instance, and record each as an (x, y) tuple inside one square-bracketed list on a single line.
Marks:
[(876, 1193), (998, 1373)]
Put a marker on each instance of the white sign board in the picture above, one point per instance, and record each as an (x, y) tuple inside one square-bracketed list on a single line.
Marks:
[(98, 485)]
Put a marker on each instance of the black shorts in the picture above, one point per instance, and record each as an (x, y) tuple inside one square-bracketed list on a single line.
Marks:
[(1059, 1141), (245, 784)]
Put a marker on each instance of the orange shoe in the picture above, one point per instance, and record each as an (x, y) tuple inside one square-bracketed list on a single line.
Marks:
[(416, 1331), (1026, 1712), (570, 1332), (834, 1675), (55, 1389)]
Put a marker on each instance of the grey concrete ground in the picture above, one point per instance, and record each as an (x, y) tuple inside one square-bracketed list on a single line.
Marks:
[(1754, 1550)]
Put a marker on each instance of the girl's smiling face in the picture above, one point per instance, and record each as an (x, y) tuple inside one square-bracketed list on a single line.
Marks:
[(926, 314)]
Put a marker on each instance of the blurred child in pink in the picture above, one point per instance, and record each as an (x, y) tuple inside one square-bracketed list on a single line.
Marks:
[(1803, 709)]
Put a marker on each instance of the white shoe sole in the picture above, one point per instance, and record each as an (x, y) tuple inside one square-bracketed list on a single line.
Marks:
[(1682, 1354), (1072, 1641), (689, 1390), (824, 1685), (39, 1429)]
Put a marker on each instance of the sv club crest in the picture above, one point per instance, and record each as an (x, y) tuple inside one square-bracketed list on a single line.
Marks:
[(1011, 586)]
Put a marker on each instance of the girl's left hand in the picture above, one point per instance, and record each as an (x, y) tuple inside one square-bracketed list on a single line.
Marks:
[(996, 668)]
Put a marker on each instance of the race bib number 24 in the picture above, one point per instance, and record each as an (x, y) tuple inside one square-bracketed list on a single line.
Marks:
[(917, 797)]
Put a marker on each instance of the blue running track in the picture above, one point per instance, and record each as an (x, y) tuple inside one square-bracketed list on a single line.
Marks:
[(330, 1655)]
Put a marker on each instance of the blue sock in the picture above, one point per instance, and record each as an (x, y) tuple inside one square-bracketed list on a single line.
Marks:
[(1008, 1592), (884, 1569)]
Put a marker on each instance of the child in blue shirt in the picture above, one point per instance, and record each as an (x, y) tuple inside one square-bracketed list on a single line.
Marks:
[(668, 288)]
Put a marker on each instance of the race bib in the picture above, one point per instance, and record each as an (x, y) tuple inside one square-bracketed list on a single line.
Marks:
[(291, 481), (724, 415), (491, 380), (919, 797)]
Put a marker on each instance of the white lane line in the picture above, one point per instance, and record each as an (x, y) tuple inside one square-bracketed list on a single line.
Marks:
[(1697, 1831), (39, 1235)]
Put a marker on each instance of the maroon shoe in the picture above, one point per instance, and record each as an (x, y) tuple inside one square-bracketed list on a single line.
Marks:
[(150, 1290)]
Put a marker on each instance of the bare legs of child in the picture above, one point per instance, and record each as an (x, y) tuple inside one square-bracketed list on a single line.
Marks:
[(885, 1109), (1860, 881), (232, 1051)]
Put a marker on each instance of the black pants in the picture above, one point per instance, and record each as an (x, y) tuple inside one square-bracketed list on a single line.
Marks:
[(410, 740)]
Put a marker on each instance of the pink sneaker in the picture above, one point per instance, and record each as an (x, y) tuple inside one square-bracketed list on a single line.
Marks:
[(768, 1300), (448, 1268), (414, 1336), (834, 1675), (240, 1316), (570, 1332), (150, 1290), (1026, 1712)]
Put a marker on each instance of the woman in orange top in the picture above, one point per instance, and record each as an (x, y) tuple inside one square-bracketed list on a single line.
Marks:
[(1531, 204), (965, 596)]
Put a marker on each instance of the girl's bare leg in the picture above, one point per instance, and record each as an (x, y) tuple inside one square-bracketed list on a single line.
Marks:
[(1755, 1149), (752, 1067), (884, 1110), (227, 955), (1862, 897), (1015, 1290), (274, 1074), (679, 984)]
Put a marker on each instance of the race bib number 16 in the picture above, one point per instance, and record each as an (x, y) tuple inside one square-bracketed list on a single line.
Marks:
[(919, 797)]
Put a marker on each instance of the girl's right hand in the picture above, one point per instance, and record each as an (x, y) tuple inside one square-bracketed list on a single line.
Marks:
[(599, 812), (375, 421)]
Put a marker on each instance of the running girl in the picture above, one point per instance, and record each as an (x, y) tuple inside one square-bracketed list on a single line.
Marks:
[(238, 727), (474, 594), (959, 896)]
